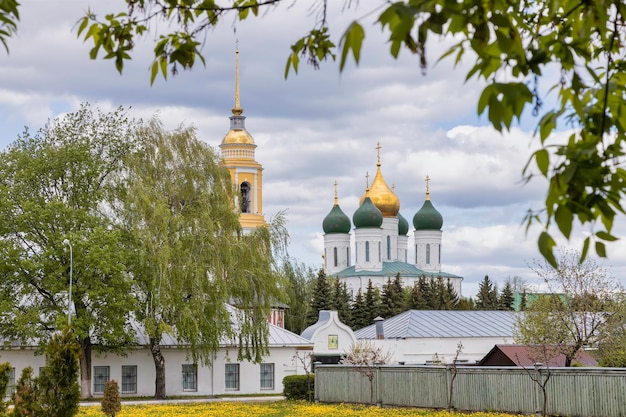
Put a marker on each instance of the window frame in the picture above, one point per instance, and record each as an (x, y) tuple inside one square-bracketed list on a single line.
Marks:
[(97, 377), (133, 379), (267, 375), (190, 377), (235, 372)]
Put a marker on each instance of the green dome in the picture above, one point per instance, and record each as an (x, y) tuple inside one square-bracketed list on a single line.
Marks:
[(368, 215), (336, 221), (427, 218), (403, 225)]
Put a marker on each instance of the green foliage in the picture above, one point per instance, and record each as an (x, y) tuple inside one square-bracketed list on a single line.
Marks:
[(487, 297), (26, 396), (5, 378), (299, 288), (505, 301), (53, 186), (299, 387), (359, 319), (340, 301), (9, 15), (580, 310), (111, 403), (321, 298), (371, 303), (392, 298), (57, 386)]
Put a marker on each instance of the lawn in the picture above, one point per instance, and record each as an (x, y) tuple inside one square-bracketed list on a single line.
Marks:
[(272, 409)]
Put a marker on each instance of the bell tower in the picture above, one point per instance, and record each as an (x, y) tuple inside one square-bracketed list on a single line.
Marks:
[(237, 149)]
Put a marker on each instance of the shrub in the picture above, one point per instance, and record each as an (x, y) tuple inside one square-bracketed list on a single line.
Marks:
[(111, 403), (25, 398), (299, 387), (5, 372)]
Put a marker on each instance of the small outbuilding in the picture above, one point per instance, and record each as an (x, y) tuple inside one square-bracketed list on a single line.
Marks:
[(528, 355)]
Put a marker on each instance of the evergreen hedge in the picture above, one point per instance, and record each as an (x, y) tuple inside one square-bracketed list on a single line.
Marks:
[(299, 387)]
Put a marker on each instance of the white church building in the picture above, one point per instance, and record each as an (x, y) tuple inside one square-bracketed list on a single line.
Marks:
[(381, 241)]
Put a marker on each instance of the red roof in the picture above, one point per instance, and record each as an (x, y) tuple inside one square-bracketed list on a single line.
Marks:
[(527, 355)]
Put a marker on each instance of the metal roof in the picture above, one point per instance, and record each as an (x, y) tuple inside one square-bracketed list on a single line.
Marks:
[(391, 269), (444, 323)]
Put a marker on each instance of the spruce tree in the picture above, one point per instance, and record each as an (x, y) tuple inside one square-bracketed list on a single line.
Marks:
[(506, 299), (487, 297), (25, 398), (321, 299), (451, 297), (341, 301), (426, 288), (392, 298), (372, 303), (359, 319), (466, 304), (111, 403)]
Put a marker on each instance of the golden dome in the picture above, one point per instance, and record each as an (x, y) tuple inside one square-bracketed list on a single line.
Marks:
[(381, 195), (238, 136)]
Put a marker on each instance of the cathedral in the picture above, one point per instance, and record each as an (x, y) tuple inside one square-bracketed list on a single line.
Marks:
[(381, 241)]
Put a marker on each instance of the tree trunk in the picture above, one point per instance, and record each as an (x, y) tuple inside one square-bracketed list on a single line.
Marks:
[(85, 367), (159, 365)]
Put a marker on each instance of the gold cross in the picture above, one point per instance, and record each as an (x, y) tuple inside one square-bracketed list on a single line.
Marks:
[(378, 150), (367, 180), (336, 198)]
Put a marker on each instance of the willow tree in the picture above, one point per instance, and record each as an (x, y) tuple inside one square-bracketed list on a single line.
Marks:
[(191, 260), (56, 186)]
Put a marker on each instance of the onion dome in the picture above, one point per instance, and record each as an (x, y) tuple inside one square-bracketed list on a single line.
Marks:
[(367, 215), (427, 218), (382, 196), (336, 221), (238, 136), (403, 225)]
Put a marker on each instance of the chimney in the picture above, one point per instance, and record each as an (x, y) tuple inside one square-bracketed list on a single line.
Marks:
[(380, 333)]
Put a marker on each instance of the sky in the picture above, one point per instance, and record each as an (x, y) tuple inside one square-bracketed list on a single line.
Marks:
[(314, 127)]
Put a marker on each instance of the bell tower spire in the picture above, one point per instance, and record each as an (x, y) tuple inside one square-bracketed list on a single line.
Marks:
[(238, 157)]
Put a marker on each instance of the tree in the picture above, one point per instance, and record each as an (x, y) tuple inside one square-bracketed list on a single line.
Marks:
[(58, 391), (359, 319), (612, 346), (25, 398), (505, 301), (371, 302), (392, 298), (365, 356), (321, 299), (580, 310), (5, 370), (341, 300), (487, 297), (190, 257), (299, 281), (111, 403), (515, 45), (466, 304), (417, 300), (59, 184)]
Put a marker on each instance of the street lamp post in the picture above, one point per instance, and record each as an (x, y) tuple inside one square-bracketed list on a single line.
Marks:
[(69, 299)]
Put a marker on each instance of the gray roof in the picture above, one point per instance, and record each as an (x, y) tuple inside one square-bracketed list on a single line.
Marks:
[(444, 323), (324, 317), (391, 269)]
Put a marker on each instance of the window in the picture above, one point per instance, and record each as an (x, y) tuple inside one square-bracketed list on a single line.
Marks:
[(100, 378), (439, 253), (245, 197), (380, 252), (267, 376), (348, 256), (415, 254), (232, 376), (367, 251), (11, 386), (335, 255), (388, 247), (190, 377), (428, 254), (129, 379)]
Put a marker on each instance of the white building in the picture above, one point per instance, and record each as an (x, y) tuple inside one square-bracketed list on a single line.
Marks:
[(135, 372)]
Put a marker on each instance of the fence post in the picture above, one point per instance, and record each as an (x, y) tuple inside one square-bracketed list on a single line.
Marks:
[(379, 400)]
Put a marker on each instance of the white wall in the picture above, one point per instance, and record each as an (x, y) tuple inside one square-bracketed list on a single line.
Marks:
[(211, 379)]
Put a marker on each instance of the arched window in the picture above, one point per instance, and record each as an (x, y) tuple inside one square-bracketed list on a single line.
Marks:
[(245, 197), (388, 247), (348, 256), (367, 251), (380, 252), (415, 254), (428, 254), (439, 247), (335, 255)]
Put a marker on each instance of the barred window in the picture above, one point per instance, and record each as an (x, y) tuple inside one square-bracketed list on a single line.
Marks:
[(267, 376), (232, 376), (129, 379), (100, 378), (190, 377)]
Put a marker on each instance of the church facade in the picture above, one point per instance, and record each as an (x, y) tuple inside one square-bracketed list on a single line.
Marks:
[(380, 244)]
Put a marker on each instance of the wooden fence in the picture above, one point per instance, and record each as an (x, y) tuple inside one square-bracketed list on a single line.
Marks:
[(599, 392)]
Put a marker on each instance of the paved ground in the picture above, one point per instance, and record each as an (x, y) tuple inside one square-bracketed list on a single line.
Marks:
[(192, 400)]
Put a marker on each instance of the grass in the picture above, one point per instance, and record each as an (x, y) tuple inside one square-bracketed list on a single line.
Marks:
[(270, 409)]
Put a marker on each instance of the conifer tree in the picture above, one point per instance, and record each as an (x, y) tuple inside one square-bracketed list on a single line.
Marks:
[(451, 299), (524, 300), (428, 293), (25, 398), (487, 297), (372, 303), (341, 300), (392, 298), (466, 304), (321, 299), (359, 319), (505, 301), (111, 403), (417, 301)]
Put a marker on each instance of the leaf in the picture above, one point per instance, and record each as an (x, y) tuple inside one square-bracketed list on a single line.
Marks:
[(600, 249), (606, 236), (542, 157), (352, 40), (564, 219), (546, 248)]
